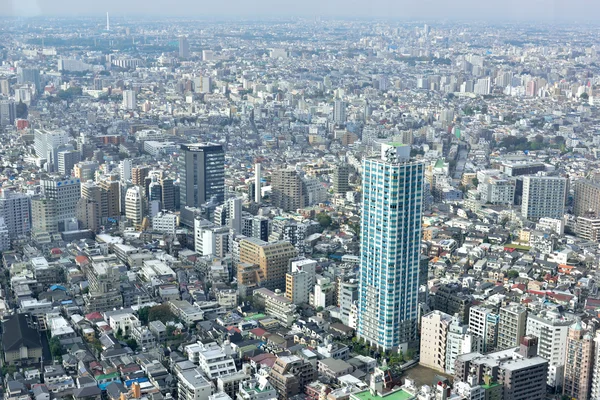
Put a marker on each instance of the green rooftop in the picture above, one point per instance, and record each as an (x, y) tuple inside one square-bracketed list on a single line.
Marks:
[(254, 317), (492, 385), (439, 163), (517, 247), (396, 144), (395, 395), (112, 375)]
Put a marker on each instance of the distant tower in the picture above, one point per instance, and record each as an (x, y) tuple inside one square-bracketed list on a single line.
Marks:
[(257, 179), (107, 22), (184, 47)]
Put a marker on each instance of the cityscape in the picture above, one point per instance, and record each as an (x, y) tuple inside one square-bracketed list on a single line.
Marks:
[(299, 208)]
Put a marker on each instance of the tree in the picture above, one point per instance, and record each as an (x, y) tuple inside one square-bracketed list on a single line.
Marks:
[(324, 219), (119, 332), (584, 96), (56, 348), (21, 110), (355, 228), (132, 344), (143, 315), (161, 313), (512, 274)]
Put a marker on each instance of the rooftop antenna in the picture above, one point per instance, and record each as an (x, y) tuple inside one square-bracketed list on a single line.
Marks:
[(107, 22)]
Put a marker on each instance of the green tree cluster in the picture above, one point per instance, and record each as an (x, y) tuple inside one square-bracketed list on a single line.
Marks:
[(56, 348), (324, 220), (161, 313)]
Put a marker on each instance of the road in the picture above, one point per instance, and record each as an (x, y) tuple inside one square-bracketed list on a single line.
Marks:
[(461, 160)]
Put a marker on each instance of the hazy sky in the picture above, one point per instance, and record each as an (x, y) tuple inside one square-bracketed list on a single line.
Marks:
[(548, 10)]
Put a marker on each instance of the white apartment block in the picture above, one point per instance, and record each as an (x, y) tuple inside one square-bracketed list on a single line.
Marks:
[(193, 385), (165, 222), (434, 333), (543, 197), (211, 358), (512, 326), (552, 328)]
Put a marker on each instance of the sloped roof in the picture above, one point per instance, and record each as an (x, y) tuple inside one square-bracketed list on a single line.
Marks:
[(17, 333)]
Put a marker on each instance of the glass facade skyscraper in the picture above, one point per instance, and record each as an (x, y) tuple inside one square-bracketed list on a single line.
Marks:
[(202, 174), (202, 177), (390, 248)]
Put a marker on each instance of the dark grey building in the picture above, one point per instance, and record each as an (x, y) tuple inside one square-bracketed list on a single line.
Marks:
[(202, 176), (452, 300), (8, 112)]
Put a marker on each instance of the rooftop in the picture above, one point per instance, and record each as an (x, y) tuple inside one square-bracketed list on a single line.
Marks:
[(394, 395)]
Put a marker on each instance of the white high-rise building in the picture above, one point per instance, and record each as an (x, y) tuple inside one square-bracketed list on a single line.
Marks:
[(458, 341), (66, 193), (339, 112), (165, 222), (483, 322), (129, 100), (48, 143), (234, 214), (206, 84), (392, 198), (596, 373), (125, 169), (552, 328), (134, 205), (434, 334), (257, 183), (4, 236), (15, 209), (512, 326), (300, 280), (543, 197)]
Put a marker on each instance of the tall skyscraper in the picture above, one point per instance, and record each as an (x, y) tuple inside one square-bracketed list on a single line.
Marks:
[(340, 179), (66, 193), (339, 112), (202, 174), (390, 245), (543, 197), (15, 208), (134, 205), (129, 100), (579, 361), (257, 183), (8, 112), (287, 190), (184, 47), (586, 198), (201, 178)]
